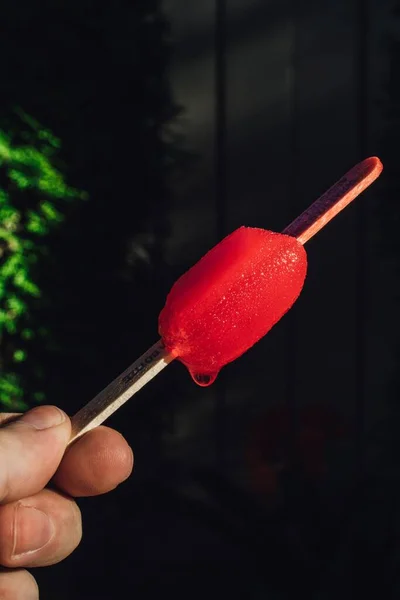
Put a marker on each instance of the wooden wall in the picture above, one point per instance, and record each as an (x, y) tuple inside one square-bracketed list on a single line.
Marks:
[(300, 90)]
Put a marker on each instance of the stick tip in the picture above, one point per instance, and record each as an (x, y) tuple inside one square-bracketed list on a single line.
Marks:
[(375, 164)]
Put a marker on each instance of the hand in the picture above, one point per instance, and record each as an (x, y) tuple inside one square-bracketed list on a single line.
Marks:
[(40, 526)]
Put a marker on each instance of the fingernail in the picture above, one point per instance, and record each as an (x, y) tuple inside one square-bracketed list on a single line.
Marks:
[(33, 529), (44, 417)]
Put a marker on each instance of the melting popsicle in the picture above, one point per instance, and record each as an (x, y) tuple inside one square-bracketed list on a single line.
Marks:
[(230, 299)]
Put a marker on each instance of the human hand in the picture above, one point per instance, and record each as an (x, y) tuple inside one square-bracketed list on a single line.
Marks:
[(41, 526)]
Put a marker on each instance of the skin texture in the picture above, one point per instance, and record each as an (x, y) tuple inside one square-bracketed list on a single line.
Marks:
[(40, 525)]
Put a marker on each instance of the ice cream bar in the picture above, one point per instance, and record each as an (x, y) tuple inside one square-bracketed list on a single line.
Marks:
[(230, 299)]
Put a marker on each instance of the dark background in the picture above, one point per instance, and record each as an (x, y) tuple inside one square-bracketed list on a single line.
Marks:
[(184, 120)]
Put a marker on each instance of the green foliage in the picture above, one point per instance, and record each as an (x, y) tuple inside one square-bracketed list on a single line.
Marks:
[(32, 197), (11, 392), (97, 74)]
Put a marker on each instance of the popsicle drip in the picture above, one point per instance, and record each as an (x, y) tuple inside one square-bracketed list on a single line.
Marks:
[(203, 379)]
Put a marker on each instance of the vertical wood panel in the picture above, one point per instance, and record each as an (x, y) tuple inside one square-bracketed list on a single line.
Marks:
[(193, 215), (259, 176), (327, 148), (382, 309), (282, 151), (362, 67)]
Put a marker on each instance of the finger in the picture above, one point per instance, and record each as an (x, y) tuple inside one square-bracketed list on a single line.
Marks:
[(40, 530), (8, 417), (95, 464), (31, 449), (18, 584)]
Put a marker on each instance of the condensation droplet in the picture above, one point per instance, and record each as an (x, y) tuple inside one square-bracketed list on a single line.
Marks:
[(203, 379)]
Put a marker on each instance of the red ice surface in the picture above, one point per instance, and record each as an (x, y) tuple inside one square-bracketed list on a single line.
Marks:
[(231, 298)]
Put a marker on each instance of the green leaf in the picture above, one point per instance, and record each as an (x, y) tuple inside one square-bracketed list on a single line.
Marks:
[(36, 224), (16, 306), (10, 326), (11, 392), (50, 211), (27, 334), (39, 396), (19, 356), (4, 147), (19, 178), (10, 266), (22, 282)]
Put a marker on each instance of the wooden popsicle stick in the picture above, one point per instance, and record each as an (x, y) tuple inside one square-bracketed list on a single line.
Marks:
[(157, 358), (120, 390), (335, 200)]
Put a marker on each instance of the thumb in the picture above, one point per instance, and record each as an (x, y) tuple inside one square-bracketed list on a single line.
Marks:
[(31, 449)]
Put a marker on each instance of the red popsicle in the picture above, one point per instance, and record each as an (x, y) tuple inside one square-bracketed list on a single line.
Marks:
[(230, 299)]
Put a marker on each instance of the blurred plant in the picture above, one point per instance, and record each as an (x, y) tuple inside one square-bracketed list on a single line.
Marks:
[(32, 194), (97, 74)]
